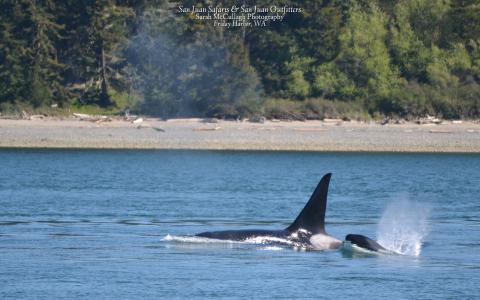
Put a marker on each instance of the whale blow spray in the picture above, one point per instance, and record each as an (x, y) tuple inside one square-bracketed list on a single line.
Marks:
[(403, 227)]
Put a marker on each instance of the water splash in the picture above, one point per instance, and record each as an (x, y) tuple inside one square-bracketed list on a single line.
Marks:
[(264, 240), (271, 248), (403, 227), (267, 242), (195, 239)]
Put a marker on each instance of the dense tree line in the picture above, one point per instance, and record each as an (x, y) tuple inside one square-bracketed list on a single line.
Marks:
[(403, 57)]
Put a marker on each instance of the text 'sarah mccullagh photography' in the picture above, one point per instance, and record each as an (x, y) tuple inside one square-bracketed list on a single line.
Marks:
[(239, 16)]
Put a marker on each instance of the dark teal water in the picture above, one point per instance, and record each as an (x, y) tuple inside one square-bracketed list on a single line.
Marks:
[(92, 224)]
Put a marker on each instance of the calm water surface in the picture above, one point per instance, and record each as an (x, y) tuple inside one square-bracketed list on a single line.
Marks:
[(92, 224)]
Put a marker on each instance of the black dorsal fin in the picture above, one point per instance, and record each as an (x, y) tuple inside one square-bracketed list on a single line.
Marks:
[(312, 216)]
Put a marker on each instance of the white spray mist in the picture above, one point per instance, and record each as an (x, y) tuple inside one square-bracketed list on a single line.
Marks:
[(403, 227)]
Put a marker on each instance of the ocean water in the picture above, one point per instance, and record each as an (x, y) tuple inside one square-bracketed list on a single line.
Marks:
[(118, 225)]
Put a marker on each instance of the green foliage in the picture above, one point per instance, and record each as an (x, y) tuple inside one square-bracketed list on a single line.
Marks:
[(364, 55), (297, 86), (98, 34), (426, 17), (336, 58), (330, 82), (407, 49), (13, 53)]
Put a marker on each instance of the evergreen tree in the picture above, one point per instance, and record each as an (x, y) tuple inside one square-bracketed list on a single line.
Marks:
[(97, 31), (13, 52), (47, 84)]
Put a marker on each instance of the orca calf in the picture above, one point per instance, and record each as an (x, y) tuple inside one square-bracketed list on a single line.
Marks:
[(365, 243), (307, 231)]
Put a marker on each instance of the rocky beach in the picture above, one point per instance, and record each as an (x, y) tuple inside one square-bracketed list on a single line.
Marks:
[(206, 134)]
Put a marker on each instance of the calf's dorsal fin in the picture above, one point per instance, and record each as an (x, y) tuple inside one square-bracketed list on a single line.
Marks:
[(312, 216)]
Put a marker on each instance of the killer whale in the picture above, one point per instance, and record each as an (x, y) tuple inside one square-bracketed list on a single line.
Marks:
[(364, 242), (306, 232)]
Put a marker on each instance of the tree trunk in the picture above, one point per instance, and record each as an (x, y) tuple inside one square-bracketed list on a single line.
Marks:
[(104, 98)]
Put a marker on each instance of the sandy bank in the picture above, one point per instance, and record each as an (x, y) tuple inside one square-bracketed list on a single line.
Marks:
[(230, 135)]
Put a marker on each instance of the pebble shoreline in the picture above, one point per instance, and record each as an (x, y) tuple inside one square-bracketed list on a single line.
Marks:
[(196, 134)]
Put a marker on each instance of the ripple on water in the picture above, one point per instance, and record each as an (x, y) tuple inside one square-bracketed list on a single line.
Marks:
[(101, 218), (12, 223)]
